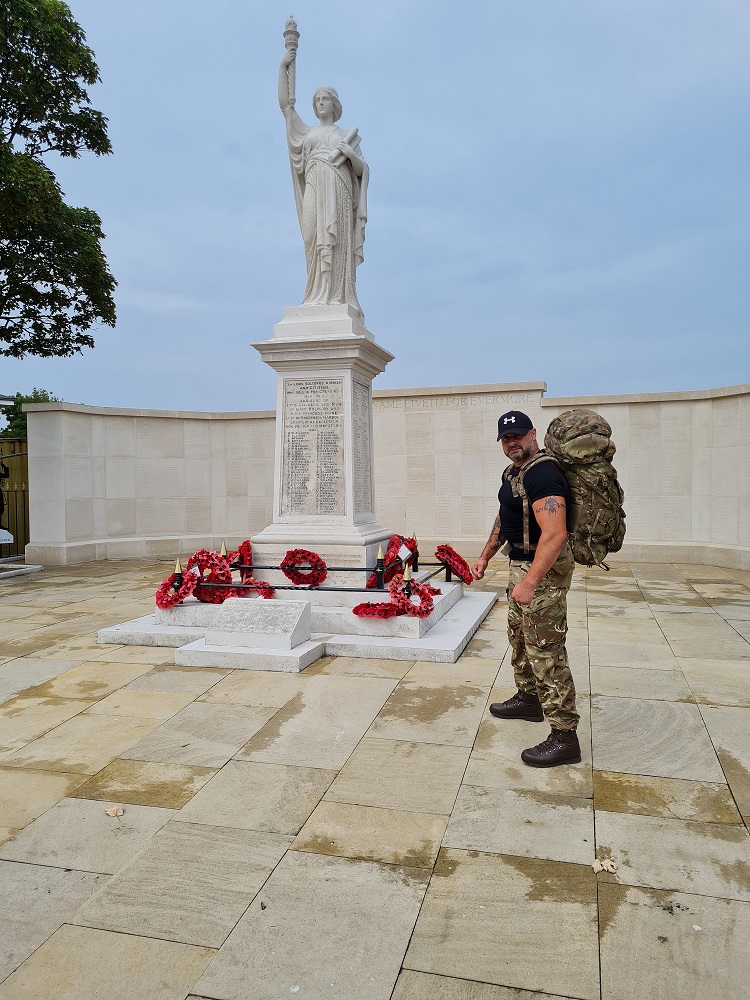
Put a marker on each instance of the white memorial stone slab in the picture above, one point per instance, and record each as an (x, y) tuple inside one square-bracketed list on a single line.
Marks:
[(312, 471), (260, 624)]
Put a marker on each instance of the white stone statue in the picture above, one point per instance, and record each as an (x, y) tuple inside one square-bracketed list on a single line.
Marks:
[(330, 188)]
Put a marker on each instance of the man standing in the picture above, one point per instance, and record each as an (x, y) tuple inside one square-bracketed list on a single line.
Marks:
[(534, 498)]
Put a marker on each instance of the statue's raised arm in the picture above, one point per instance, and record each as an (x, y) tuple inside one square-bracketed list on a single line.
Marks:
[(330, 176)]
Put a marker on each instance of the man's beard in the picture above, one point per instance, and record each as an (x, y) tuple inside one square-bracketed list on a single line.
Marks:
[(524, 455)]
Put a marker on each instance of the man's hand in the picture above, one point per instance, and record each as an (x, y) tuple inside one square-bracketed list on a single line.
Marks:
[(477, 570), (523, 592)]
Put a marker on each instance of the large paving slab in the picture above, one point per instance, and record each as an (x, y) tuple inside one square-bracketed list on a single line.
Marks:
[(687, 946), (718, 682), (24, 795), (473, 671), (401, 775), (268, 798), (77, 833), (20, 674), (729, 729), (419, 986), (486, 917), (393, 836), (86, 964), (431, 712), (657, 656), (527, 823), (321, 927), (625, 682), (191, 884), (708, 638), (203, 734), (322, 724), (359, 666), (495, 760), (84, 744), (143, 704), (272, 689), (146, 783), (710, 859), (26, 717), (641, 736), (37, 900), (670, 797), (193, 680), (89, 680)]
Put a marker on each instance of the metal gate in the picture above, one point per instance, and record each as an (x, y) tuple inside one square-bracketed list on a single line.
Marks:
[(14, 499)]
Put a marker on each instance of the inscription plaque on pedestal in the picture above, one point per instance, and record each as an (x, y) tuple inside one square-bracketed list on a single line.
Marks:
[(312, 480), (361, 448)]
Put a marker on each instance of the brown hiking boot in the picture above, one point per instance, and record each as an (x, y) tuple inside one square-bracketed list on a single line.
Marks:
[(520, 706), (560, 747)]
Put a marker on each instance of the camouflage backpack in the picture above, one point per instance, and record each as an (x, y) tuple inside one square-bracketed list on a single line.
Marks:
[(580, 442)]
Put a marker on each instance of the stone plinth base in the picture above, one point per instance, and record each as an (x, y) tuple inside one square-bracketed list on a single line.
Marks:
[(202, 654), (441, 637), (260, 624)]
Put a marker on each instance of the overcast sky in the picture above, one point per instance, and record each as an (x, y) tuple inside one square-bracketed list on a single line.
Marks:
[(559, 191)]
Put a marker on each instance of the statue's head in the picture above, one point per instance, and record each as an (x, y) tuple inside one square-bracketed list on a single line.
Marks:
[(329, 92)]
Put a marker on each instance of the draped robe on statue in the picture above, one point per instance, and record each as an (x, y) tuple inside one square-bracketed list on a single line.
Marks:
[(331, 208)]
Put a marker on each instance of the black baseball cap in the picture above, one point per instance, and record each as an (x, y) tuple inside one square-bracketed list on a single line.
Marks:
[(513, 422)]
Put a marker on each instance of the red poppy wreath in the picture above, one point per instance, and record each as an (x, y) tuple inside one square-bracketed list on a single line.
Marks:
[(168, 597), (423, 593), (373, 610), (218, 572), (304, 557), (392, 563), (456, 563), (249, 584)]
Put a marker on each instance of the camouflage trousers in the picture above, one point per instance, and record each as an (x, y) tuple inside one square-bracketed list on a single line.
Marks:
[(537, 637)]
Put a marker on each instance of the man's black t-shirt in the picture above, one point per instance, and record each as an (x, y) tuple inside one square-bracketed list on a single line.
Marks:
[(543, 480)]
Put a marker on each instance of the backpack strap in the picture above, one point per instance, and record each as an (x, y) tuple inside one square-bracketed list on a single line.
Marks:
[(519, 490)]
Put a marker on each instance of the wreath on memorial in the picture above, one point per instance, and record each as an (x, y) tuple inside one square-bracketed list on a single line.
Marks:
[(212, 568), (264, 589), (303, 557), (373, 610), (207, 567), (456, 563), (243, 558), (391, 560), (423, 593), (168, 597)]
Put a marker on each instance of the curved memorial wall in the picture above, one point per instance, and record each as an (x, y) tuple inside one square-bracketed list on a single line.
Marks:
[(120, 484)]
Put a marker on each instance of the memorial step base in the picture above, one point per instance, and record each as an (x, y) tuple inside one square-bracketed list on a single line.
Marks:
[(190, 620), (292, 661), (443, 643)]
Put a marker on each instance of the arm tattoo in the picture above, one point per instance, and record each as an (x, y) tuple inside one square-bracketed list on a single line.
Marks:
[(496, 535), (551, 505)]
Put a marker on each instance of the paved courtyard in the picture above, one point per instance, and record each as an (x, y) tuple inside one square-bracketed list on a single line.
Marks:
[(366, 829)]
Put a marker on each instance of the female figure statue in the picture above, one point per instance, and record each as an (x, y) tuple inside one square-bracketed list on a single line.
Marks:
[(330, 188)]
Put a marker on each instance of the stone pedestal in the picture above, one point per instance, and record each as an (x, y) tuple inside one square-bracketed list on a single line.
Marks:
[(324, 489)]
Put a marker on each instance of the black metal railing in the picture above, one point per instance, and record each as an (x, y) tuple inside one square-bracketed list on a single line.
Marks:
[(14, 517), (378, 569)]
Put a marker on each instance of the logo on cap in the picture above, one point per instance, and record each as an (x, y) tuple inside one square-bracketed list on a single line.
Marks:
[(513, 422)]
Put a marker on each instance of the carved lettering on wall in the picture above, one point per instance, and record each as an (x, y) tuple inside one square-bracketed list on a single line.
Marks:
[(363, 502), (312, 477)]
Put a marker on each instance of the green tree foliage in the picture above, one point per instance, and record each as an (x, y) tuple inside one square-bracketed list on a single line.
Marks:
[(17, 418), (54, 280)]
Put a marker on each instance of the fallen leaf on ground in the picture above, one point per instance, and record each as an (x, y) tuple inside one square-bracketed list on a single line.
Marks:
[(115, 811), (607, 865)]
